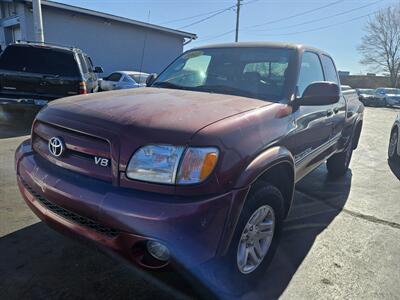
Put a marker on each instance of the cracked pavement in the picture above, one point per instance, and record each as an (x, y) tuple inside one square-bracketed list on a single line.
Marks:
[(341, 240)]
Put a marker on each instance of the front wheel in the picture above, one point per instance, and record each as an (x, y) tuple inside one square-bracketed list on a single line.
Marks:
[(254, 242), (393, 145), (338, 164)]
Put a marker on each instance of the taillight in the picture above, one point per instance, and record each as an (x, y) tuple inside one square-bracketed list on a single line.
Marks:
[(82, 88)]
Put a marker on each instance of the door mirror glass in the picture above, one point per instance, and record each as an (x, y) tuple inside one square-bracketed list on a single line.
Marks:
[(150, 79), (320, 93)]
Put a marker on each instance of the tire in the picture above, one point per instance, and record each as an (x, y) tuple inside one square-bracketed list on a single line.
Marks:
[(338, 164), (393, 148), (230, 278)]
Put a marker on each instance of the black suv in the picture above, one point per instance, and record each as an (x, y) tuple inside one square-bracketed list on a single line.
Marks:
[(31, 74)]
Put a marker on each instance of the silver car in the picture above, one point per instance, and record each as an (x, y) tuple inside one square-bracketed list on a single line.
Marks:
[(394, 148), (388, 96), (123, 80)]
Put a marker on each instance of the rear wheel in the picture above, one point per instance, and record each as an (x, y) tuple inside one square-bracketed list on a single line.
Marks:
[(338, 164), (393, 145), (254, 242)]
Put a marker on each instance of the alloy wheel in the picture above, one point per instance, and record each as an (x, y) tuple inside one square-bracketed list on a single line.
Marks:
[(256, 239)]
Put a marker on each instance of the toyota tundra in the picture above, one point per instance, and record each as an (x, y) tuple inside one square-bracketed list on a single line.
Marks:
[(199, 166)]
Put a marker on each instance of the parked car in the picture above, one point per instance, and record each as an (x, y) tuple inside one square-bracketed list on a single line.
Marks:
[(345, 88), (32, 74), (367, 97), (201, 166), (387, 96), (123, 80), (394, 148)]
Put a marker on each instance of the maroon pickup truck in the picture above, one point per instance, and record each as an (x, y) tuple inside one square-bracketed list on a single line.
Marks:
[(199, 166)]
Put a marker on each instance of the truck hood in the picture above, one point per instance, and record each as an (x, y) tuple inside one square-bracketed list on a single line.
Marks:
[(131, 118)]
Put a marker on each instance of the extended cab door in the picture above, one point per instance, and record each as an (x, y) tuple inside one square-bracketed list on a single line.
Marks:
[(313, 123), (338, 112)]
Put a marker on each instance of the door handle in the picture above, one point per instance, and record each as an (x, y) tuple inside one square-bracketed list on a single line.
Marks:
[(329, 113), (336, 110)]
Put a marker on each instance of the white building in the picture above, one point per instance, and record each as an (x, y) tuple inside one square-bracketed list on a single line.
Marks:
[(113, 42)]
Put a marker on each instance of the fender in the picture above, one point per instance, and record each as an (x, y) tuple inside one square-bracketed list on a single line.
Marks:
[(264, 161), (257, 167)]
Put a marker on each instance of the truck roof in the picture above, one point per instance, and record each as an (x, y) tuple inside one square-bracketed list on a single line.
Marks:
[(45, 45), (261, 44)]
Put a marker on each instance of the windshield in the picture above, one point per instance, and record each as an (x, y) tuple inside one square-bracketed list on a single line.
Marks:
[(39, 60), (250, 72)]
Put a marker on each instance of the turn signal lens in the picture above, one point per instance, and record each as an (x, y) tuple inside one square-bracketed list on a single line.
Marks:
[(197, 164), (208, 166)]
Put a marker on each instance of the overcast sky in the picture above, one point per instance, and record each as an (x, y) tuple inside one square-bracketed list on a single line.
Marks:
[(335, 26)]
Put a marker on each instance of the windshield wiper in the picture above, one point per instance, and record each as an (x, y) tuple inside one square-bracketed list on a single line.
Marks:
[(166, 84), (222, 89)]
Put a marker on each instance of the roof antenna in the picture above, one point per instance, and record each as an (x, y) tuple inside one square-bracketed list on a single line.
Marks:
[(143, 49)]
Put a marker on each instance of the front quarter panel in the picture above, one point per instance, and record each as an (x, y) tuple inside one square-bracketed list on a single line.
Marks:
[(243, 138)]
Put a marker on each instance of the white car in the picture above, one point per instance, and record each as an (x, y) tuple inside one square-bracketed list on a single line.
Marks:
[(388, 96), (123, 80)]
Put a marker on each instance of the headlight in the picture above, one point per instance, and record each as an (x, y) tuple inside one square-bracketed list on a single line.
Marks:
[(155, 163), (171, 164)]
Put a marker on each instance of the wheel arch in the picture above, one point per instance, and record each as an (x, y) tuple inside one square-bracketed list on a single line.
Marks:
[(396, 126), (276, 166), (357, 133)]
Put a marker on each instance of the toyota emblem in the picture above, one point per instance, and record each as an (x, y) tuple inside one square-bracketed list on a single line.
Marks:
[(56, 146)]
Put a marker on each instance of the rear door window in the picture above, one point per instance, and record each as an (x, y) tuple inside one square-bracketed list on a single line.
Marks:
[(83, 63), (39, 60), (89, 63), (310, 71), (139, 78), (330, 70)]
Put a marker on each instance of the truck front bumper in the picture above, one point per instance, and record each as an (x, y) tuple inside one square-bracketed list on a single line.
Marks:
[(195, 230)]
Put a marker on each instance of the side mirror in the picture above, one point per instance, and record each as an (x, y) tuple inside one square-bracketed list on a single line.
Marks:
[(98, 70), (320, 93), (150, 79)]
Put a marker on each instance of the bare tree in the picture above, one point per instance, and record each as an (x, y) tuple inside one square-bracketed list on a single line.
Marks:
[(380, 47)]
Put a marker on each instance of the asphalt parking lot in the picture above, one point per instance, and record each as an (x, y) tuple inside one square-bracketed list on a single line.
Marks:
[(341, 241)]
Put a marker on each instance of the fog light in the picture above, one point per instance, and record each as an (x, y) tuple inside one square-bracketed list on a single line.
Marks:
[(158, 250)]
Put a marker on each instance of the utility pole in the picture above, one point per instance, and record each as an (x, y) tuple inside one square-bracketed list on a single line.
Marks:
[(37, 21), (237, 20)]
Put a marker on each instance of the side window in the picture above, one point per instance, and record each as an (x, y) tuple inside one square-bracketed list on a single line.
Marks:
[(83, 63), (114, 77), (89, 63), (330, 70), (310, 71), (126, 79)]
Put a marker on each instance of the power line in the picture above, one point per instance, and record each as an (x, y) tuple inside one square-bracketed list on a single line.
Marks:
[(319, 19), (193, 17), (207, 18), (322, 27), (216, 13), (298, 32), (297, 15)]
